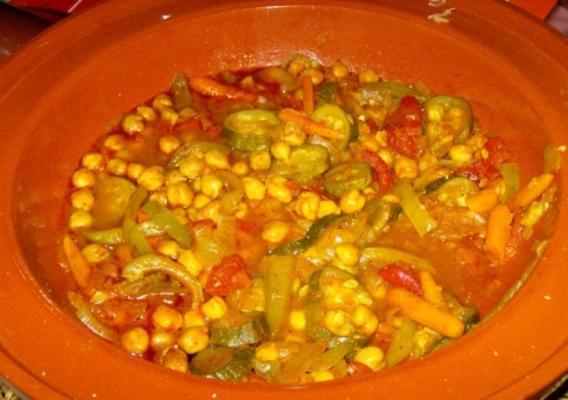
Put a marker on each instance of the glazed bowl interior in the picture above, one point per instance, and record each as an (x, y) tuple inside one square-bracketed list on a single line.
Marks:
[(103, 70)]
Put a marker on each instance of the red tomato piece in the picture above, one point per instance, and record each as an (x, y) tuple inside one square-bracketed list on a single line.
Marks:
[(381, 171), (400, 275), (478, 170), (404, 127), (408, 113), (247, 226), (498, 150), (227, 276)]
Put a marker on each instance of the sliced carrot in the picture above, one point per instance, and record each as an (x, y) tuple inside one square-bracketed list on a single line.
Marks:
[(531, 191), (483, 201), (425, 313), (77, 263), (498, 230), (308, 91), (212, 88), (309, 126), (432, 292)]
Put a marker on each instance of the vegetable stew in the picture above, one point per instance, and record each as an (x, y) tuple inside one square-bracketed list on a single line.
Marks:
[(296, 223)]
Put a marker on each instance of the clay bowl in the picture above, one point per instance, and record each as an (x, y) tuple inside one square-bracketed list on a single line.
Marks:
[(68, 85)]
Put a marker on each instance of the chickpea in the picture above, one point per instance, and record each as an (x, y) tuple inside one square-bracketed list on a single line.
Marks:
[(83, 178), (193, 340), (151, 178), (162, 339), (135, 340), (352, 201), (371, 356), (348, 254), (82, 199), (191, 167), (275, 231), (167, 318), (169, 143), (93, 161), (132, 124), (215, 308), (116, 166)]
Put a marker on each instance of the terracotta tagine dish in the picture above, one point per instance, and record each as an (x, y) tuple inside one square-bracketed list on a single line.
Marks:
[(69, 85)]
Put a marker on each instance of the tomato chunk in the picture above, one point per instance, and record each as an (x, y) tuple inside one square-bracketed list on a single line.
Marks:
[(498, 151), (478, 170), (400, 275), (404, 127), (381, 171), (227, 276)]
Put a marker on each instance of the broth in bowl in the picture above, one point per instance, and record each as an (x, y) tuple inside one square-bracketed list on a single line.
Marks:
[(296, 223)]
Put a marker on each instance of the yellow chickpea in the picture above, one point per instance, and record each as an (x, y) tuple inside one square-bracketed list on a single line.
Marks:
[(275, 231), (260, 160), (352, 201), (167, 318), (82, 199), (193, 340), (135, 340), (132, 124), (169, 143), (83, 178), (179, 194), (116, 166), (93, 161), (161, 339), (151, 178)]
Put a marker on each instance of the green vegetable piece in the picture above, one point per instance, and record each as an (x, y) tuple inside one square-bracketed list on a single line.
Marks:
[(512, 177), (166, 220), (250, 130), (107, 237), (402, 343), (414, 209), (211, 360), (111, 199), (456, 190), (223, 363), (326, 92), (552, 159), (115, 236), (306, 162), (132, 233), (381, 213), (329, 359), (436, 184), (388, 255), (447, 117), (180, 92), (278, 280), (251, 332), (195, 148), (140, 266), (335, 118), (376, 90), (347, 176), (312, 235)]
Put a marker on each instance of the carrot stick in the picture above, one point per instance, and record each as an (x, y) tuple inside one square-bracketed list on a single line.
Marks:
[(483, 201), (425, 313), (309, 126), (210, 87), (432, 292), (498, 231), (308, 90), (531, 191), (77, 263)]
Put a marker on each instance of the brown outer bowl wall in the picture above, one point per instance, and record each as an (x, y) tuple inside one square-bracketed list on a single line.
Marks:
[(58, 94)]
